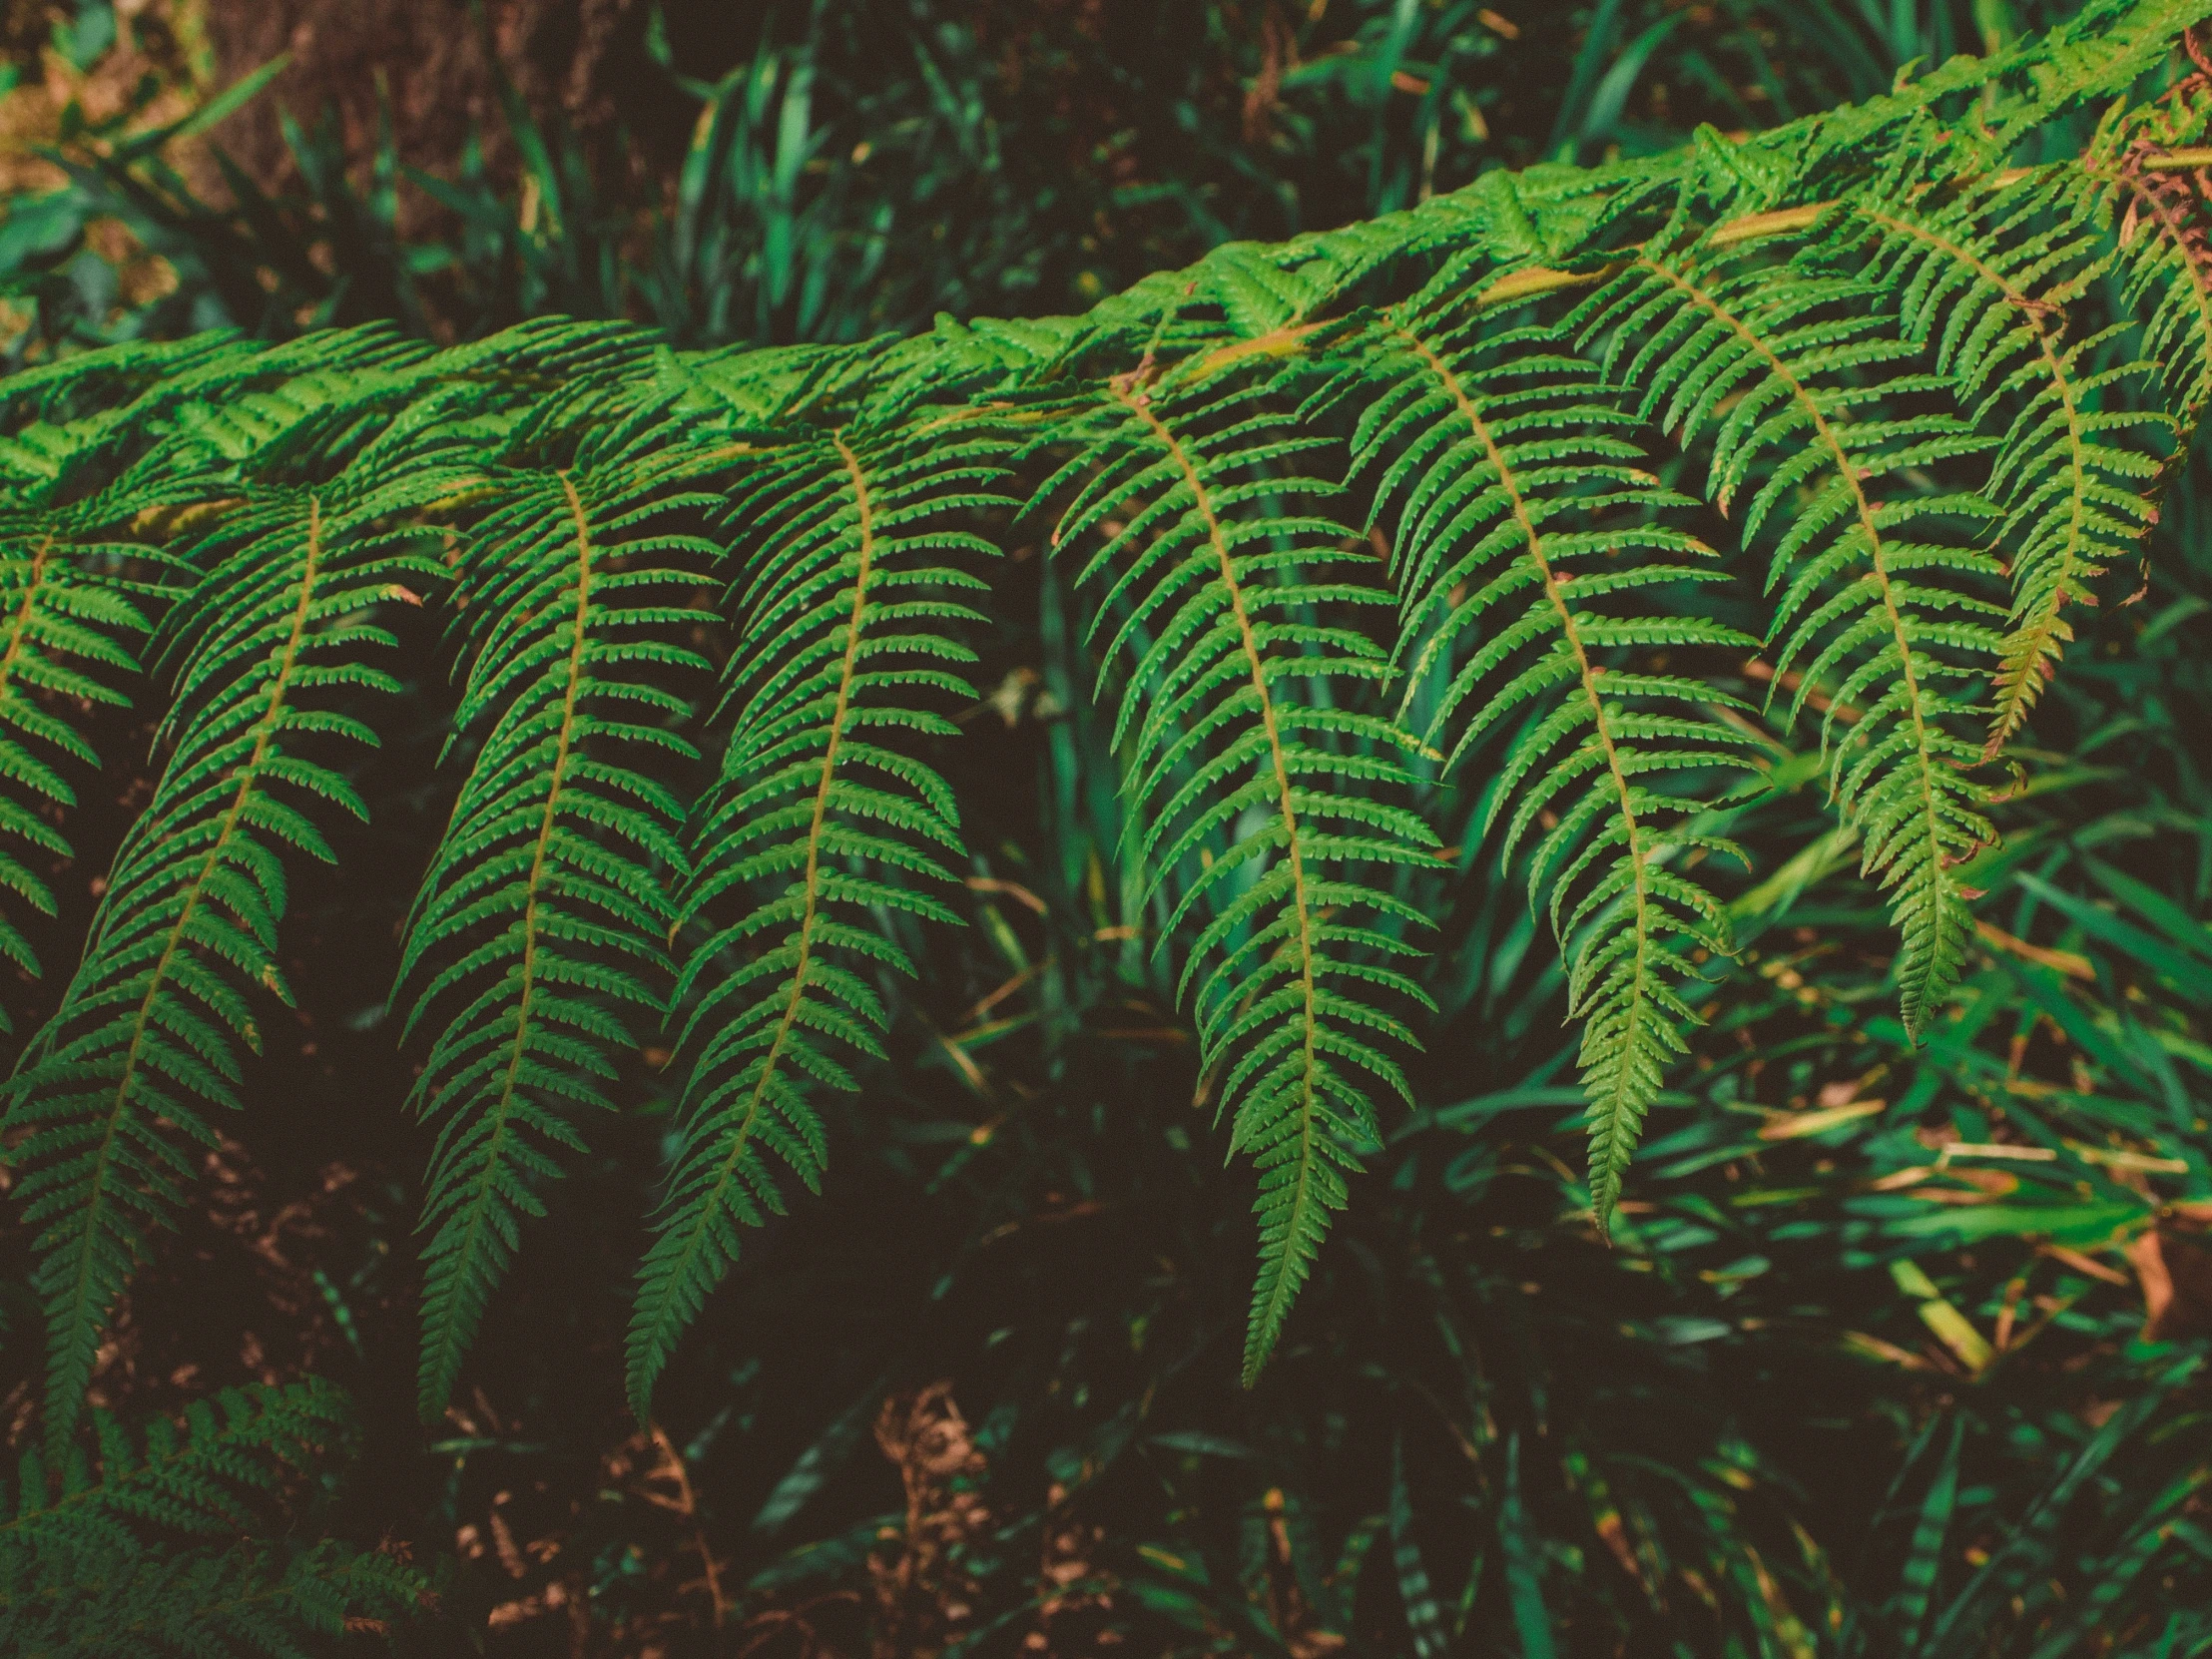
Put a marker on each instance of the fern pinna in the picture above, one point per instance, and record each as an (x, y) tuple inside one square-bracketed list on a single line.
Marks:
[(153, 1029), (1523, 510), (546, 908), (77, 592), (1246, 746), (822, 812), (70, 624), (1496, 513), (2141, 181), (1876, 613), (1980, 274)]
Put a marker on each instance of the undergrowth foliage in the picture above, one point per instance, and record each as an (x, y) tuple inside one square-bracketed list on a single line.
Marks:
[(1537, 511), (138, 1551)]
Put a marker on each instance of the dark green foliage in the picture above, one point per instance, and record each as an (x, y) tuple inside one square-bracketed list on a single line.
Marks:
[(231, 1450), (118, 1558), (1466, 574), (122, 1602), (1545, 584)]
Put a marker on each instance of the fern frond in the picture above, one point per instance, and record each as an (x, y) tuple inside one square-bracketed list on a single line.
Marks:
[(71, 610), (1981, 276), (1528, 527), (2124, 179), (205, 1478), (63, 418), (143, 1551), (249, 1601), (1550, 619), (80, 382), (1877, 609), (541, 925), (849, 612), (148, 1033), (1248, 752)]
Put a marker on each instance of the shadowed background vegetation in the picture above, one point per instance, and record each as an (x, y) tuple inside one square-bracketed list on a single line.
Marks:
[(1894, 1350)]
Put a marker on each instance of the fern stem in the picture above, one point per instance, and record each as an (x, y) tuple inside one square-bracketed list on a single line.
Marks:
[(1914, 998), (1285, 1286), (2036, 641), (1532, 282), (1277, 343), (22, 623), (75, 1329), (441, 1361), (1607, 1115), (811, 877)]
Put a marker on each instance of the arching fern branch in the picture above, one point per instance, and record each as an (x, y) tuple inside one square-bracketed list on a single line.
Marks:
[(1981, 273), (149, 1032), (1540, 574), (847, 612), (539, 935), (1875, 608), (1248, 752), (1528, 529)]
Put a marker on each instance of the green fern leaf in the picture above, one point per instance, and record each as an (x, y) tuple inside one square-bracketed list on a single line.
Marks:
[(148, 1033), (1526, 524), (70, 611), (1981, 276), (1877, 610), (541, 925), (144, 1552), (822, 813), (249, 1601), (231, 1454), (1220, 613), (2125, 180)]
